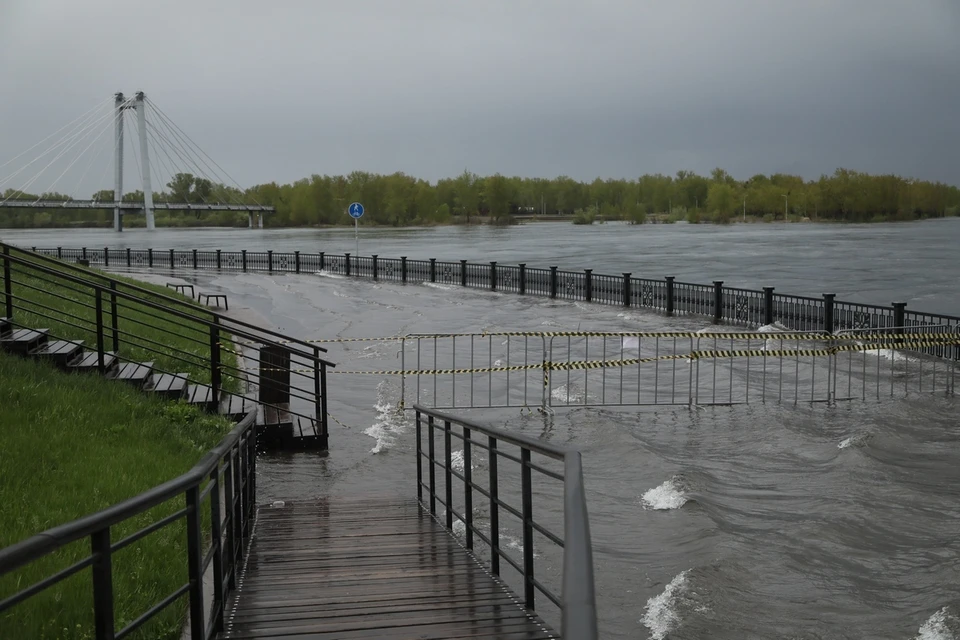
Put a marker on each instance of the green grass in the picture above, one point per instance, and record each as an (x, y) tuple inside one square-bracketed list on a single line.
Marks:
[(71, 445), (174, 344)]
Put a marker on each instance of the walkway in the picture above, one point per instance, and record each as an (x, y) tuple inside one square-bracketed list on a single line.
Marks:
[(371, 568)]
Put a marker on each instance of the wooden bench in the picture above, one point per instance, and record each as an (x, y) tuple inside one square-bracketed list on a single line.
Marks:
[(182, 288), (217, 297)]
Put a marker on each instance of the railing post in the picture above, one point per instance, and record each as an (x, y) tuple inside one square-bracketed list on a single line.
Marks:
[(493, 276), (83, 253), (106, 256), (172, 258), (670, 299), (717, 301), (899, 309), (236, 468), (588, 284), (194, 258), (828, 299), (433, 269), (346, 263), (215, 372), (218, 259), (98, 310), (195, 563), (150, 257), (553, 282), (431, 458), (447, 475), (243, 259), (374, 256), (323, 396), (60, 253), (523, 278), (494, 507), (526, 487), (403, 268), (463, 273), (7, 283), (102, 584), (767, 306), (114, 321), (128, 256), (296, 261), (269, 260), (468, 487), (322, 261), (316, 386), (419, 429), (228, 503), (216, 541), (626, 289)]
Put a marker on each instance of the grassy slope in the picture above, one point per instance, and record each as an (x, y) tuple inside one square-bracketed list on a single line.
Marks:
[(175, 345), (69, 446)]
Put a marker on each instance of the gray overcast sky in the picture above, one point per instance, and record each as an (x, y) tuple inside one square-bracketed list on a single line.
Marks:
[(278, 90)]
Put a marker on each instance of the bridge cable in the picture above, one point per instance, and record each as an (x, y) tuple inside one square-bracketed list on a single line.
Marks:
[(164, 116), (99, 105), (177, 148), (103, 129), (77, 138), (63, 140)]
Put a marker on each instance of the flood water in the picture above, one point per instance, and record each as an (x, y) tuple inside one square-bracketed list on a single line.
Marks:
[(769, 521)]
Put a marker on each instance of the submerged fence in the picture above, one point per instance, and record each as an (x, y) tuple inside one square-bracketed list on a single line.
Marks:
[(581, 369), (749, 307)]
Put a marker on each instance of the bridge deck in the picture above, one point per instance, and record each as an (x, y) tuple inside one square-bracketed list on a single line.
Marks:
[(374, 568)]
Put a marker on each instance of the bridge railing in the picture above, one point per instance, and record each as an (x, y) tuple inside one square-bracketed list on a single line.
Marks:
[(716, 302), (214, 503), (510, 493), (188, 342)]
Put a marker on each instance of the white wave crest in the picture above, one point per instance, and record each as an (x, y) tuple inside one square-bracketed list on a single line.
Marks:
[(856, 440), (457, 461), (776, 327), (437, 285), (661, 615), (942, 625), (667, 495), (326, 274), (887, 354), (388, 424)]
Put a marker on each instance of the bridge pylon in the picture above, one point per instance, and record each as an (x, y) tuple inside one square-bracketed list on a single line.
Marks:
[(139, 105)]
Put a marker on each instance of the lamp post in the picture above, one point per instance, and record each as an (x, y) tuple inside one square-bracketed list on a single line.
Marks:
[(744, 209)]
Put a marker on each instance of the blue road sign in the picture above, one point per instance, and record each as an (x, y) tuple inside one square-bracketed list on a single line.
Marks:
[(355, 210)]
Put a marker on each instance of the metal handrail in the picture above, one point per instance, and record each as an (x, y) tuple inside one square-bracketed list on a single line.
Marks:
[(578, 600), (166, 298), (224, 554)]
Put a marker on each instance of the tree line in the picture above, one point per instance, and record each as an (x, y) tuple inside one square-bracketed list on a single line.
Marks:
[(399, 199)]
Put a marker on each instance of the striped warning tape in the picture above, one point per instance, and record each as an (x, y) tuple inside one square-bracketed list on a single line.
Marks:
[(547, 366), (756, 335)]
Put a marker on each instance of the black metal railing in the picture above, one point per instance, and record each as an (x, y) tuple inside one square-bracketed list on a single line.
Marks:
[(223, 481), (715, 301), (210, 348), (576, 602)]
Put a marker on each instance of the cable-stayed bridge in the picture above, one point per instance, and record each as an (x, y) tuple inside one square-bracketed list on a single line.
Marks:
[(161, 151)]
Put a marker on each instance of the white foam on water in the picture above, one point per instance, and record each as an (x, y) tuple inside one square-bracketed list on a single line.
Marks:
[(498, 363), (887, 354), (856, 440), (388, 424), (660, 615), (567, 396), (665, 496), (326, 274), (437, 285), (457, 462), (341, 295), (776, 327), (942, 625)]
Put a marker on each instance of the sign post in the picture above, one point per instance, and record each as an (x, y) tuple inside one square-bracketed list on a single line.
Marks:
[(356, 211)]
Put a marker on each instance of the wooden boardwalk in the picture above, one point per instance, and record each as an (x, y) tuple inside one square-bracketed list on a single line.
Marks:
[(349, 569)]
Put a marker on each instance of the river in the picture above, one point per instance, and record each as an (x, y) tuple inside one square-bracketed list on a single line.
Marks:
[(760, 521)]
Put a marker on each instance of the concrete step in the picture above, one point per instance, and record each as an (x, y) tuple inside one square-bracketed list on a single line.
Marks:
[(88, 361), (167, 385), (61, 352), (23, 341), (135, 373)]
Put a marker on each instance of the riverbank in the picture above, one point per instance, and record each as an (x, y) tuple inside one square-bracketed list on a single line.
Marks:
[(73, 445)]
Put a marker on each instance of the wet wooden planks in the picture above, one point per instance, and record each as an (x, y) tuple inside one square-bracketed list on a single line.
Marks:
[(370, 568)]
